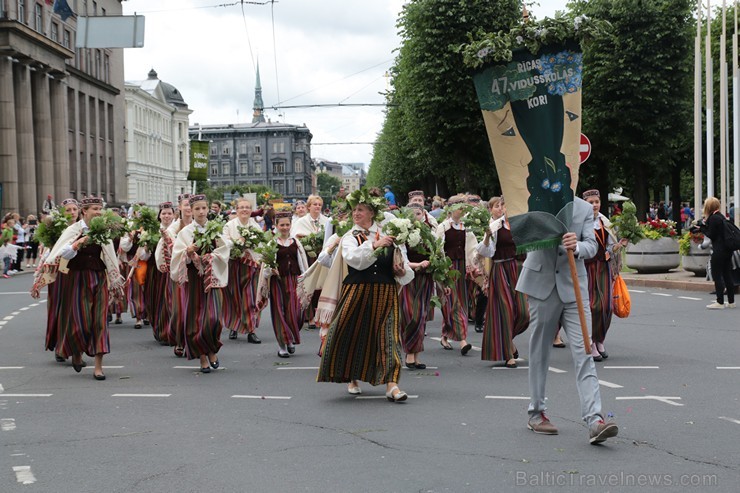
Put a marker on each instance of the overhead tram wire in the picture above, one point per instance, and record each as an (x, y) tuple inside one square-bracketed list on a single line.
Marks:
[(274, 48), (232, 4), (249, 41)]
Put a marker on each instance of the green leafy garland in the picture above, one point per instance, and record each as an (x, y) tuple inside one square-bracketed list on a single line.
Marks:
[(362, 196), (51, 228), (106, 227), (486, 48), (145, 218), (205, 242)]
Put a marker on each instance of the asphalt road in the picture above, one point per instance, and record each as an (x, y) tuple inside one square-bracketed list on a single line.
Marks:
[(671, 382)]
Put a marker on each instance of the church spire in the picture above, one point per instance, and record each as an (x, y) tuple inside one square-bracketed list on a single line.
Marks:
[(258, 106)]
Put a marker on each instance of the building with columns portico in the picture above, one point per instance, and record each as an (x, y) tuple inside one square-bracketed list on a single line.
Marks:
[(61, 108)]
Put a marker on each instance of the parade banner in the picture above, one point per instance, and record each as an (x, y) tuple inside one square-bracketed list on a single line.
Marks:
[(532, 111), (198, 160)]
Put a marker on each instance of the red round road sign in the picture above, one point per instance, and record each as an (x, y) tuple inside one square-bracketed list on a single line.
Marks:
[(585, 148)]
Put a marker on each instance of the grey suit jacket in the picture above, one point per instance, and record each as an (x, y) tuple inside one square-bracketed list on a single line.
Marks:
[(545, 270)]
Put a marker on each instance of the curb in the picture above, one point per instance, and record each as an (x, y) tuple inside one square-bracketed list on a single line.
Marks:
[(697, 286)]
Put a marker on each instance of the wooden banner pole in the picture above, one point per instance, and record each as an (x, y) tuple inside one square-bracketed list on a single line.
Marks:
[(579, 301)]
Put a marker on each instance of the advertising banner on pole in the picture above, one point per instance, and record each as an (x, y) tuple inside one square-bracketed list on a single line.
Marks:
[(199, 151)]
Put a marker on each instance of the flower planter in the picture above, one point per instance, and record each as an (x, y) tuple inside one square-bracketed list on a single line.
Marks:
[(696, 260), (653, 256)]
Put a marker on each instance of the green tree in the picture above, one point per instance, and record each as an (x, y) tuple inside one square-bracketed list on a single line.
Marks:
[(433, 136), (327, 186), (637, 104)]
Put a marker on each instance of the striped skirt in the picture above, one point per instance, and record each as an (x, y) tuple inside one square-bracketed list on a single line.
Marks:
[(156, 290), (455, 309), (82, 324), (363, 341), (507, 314), (178, 312), (240, 297), (285, 310), (52, 313), (600, 294), (202, 320), (473, 292), (415, 299), (136, 300)]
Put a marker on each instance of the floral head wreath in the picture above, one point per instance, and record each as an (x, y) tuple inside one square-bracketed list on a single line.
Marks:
[(362, 196)]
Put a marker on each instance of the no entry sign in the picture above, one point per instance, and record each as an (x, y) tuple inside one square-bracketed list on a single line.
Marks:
[(585, 148)]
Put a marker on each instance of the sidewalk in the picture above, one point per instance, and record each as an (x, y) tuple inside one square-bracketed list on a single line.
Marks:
[(675, 279)]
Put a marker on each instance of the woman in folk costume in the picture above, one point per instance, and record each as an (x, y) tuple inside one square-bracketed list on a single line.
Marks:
[(119, 305), (507, 313), (203, 274), (476, 296), (72, 208), (135, 291), (87, 273), (240, 313), (360, 297), (280, 285), (600, 276), (179, 305), (415, 299), (312, 222), (460, 247), (158, 287)]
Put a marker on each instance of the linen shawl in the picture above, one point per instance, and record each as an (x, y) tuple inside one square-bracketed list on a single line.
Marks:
[(214, 266)]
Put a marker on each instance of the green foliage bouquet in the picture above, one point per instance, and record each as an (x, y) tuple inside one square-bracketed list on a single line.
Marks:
[(51, 228), (313, 243), (206, 241), (249, 239), (627, 225), (404, 231), (106, 227), (477, 220), (145, 218), (268, 251), (149, 239)]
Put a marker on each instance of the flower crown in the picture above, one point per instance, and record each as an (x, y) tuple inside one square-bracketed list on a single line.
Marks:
[(362, 196)]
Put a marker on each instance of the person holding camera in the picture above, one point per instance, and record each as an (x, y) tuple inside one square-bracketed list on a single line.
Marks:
[(721, 259)]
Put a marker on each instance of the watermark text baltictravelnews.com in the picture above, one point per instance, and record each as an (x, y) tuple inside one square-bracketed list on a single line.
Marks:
[(548, 478)]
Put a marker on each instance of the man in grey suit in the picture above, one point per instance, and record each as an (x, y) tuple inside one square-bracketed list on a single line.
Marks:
[(547, 282)]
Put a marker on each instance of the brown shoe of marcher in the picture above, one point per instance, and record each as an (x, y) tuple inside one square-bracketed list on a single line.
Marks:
[(600, 431), (540, 424)]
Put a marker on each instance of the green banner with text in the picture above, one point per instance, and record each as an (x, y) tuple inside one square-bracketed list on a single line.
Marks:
[(198, 160)]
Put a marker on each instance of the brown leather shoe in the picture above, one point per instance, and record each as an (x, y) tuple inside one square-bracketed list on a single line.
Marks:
[(540, 424), (600, 431)]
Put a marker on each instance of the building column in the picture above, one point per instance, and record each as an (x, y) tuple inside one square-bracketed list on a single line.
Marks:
[(24, 141), (8, 146), (59, 138), (43, 147)]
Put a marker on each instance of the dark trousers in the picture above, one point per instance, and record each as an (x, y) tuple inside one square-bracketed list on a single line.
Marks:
[(722, 275), (480, 309), (19, 258)]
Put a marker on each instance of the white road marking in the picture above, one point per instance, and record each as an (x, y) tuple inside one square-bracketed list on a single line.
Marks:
[(11, 367), (34, 304), (3, 322), (610, 385), (635, 291), (689, 298), (24, 475), (24, 309), (15, 313), (297, 368), (508, 397), (662, 294), (736, 421), (728, 367), (17, 455), (660, 398), (104, 367), (7, 424), (43, 301), (557, 370), (365, 397), (19, 292), (197, 368), (27, 395), (262, 397), (630, 367), (427, 368), (141, 395), (1, 388), (8, 318)]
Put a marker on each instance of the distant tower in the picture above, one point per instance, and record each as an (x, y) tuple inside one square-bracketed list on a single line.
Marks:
[(258, 106)]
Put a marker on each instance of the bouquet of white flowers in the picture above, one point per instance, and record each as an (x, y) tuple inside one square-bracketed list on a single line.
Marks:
[(476, 220), (403, 231), (313, 243), (249, 239)]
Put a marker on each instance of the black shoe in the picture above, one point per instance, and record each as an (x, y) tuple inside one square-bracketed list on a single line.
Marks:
[(311, 327), (215, 364), (283, 354), (118, 321), (137, 326), (59, 359), (99, 377), (466, 349), (478, 328), (77, 367), (420, 366), (232, 334), (291, 349), (146, 322), (110, 318), (516, 354), (252, 337), (411, 366), (207, 369)]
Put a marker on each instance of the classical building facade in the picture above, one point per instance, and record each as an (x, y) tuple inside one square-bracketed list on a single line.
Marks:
[(157, 157), (61, 108), (352, 175), (277, 155)]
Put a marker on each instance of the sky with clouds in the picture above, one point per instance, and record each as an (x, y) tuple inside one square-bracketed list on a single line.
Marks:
[(319, 52)]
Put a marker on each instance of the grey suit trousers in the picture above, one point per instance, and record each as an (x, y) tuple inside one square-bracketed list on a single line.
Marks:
[(543, 324)]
